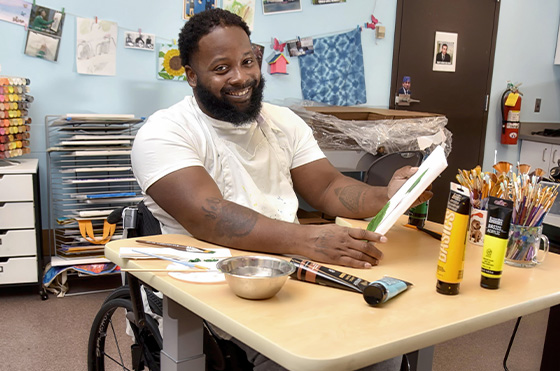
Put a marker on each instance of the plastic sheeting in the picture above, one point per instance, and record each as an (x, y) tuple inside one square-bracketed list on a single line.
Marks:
[(377, 136)]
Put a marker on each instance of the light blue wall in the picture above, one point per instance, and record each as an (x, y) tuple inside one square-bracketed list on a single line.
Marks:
[(526, 29), (527, 36), (59, 89)]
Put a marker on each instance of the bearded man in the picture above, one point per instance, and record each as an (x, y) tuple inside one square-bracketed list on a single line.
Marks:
[(225, 167)]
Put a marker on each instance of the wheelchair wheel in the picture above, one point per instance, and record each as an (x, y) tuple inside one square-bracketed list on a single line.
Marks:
[(123, 292), (111, 348)]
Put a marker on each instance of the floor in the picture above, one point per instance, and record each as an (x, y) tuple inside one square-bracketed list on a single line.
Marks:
[(53, 335)]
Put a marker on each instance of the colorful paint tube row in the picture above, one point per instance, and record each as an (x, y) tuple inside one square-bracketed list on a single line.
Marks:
[(14, 80), (15, 122), (17, 144), (14, 105), (14, 153), (16, 98), (13, 137), (14, 130), (13, 114), (10, 89)]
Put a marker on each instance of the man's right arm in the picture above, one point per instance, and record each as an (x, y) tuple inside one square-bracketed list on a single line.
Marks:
[(192, 197)]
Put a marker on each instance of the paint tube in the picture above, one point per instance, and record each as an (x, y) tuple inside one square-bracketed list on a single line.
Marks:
[(315, 273), (495, 241), (453, 240), (380, 291)]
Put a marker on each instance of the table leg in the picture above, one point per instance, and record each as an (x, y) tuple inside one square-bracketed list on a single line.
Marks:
[(183, 338), (552, 340), (422, 359)]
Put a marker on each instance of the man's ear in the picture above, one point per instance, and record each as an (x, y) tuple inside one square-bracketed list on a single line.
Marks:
[(191, 76)]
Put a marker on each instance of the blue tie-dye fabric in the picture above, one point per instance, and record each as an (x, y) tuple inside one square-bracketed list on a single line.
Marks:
[(334, 73)]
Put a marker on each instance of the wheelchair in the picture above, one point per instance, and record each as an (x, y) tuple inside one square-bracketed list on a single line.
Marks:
[(125, 332)]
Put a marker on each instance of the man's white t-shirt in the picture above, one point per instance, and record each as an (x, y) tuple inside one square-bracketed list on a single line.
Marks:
[(250, 163)]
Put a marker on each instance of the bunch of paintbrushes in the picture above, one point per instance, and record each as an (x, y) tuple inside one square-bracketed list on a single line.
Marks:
[(480, 185), (532, 200)]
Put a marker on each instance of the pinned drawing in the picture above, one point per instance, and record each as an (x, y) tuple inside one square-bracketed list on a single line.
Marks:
[(15, 11), (243, 8), (169, 63), (96, 47)]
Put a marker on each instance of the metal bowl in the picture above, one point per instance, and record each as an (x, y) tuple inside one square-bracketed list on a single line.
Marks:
[(255, 277)]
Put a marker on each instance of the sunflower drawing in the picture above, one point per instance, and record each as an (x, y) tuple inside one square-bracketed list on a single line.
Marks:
[(170, 67)]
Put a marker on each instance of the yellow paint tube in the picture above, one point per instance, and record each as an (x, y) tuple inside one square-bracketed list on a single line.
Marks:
[(495, 241), (453, 240)]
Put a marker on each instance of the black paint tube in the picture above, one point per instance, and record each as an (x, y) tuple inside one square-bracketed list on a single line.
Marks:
[(315, 273), (495, 241)]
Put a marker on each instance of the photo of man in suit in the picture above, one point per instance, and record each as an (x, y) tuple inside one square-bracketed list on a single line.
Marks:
[(442, 56)]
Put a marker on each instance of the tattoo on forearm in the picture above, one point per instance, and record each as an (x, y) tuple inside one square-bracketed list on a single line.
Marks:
[(231, 221), (352, 197)]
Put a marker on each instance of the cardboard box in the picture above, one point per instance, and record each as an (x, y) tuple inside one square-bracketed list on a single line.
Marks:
[(368, 114)]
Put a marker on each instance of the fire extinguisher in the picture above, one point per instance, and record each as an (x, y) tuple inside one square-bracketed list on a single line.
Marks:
[(511, 109)]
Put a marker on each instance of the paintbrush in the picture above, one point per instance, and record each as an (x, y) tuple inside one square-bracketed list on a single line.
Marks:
[(177, 246), (190, 265), (167, 270)]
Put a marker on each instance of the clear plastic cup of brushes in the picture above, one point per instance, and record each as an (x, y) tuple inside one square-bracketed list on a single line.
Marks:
[(527, 246)]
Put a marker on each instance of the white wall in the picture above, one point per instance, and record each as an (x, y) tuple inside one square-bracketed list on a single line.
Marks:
[(525, 49)]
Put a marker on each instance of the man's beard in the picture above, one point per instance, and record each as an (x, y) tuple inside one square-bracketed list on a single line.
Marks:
[(220, 109)]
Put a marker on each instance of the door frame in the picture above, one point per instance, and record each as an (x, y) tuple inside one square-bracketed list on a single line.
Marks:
[(394, 73)]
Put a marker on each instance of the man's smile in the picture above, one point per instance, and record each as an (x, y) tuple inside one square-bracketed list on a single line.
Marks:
[(238, 93)]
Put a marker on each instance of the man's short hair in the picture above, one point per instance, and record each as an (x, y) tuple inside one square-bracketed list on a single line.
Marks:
[(200, 25)]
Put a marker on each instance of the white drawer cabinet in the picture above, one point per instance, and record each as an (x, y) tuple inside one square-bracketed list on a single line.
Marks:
[(539, 155), (20, 229)]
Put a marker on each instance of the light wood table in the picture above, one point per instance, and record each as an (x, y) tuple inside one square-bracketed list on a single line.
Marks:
[(312, 327)]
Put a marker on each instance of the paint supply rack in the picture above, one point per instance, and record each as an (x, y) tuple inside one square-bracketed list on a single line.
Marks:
[(89, 176), (14, 121)]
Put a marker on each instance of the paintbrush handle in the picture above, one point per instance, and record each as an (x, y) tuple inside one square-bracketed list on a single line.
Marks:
[(167, 270), (175, 246), (192, 265)]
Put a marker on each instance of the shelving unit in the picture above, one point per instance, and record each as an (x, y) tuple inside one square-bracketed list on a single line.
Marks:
[(89, 176)]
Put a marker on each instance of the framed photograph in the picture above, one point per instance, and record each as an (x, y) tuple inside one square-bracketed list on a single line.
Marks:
[(280, 6), (300, 46), (137, 40), (445, 52)]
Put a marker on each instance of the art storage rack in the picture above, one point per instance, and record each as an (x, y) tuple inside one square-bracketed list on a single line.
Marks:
[(89, 176)]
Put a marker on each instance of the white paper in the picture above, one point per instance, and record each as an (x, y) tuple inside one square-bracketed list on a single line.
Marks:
[(96, 47), (401, 201), (405, 196)]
